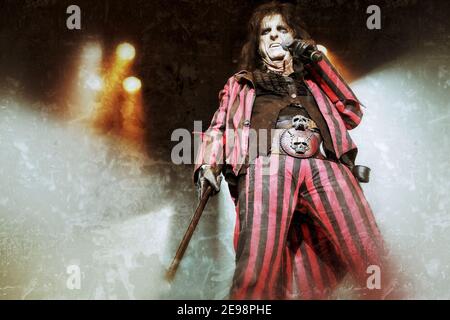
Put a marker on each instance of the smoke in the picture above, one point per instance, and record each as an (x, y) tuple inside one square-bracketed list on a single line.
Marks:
[(404, 139), (71, 197)]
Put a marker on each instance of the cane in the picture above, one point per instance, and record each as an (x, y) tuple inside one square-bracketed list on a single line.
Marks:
[(170, 274)]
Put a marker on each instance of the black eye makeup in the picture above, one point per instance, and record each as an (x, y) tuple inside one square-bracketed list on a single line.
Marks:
[(265, 31), (282, 29)]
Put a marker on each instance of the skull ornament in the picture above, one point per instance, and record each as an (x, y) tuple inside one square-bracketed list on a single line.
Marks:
[(302, 140), (300, 122), (299, 145)]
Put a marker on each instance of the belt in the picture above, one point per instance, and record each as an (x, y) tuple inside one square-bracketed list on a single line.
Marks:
[(306, 145), (298, 137)]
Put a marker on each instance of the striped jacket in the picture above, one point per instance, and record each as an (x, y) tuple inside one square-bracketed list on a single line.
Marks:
[(226, 141)]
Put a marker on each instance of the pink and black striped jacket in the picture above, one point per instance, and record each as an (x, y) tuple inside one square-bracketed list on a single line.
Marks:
[(226, 141)]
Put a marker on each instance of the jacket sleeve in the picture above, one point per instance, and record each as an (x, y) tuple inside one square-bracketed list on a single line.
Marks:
[(212, 146), (339, 92)]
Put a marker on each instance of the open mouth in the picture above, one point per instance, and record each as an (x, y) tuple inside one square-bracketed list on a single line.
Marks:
[(273, 45)]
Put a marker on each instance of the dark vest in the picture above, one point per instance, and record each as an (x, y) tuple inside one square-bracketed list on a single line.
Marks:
[(281, 97)]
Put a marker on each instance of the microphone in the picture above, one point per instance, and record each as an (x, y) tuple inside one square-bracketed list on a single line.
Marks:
[(303, 49)]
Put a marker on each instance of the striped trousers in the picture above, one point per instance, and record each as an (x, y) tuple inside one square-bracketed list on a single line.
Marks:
[(302, 225)]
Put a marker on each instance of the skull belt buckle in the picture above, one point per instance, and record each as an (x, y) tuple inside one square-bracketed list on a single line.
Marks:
[(302, 140)]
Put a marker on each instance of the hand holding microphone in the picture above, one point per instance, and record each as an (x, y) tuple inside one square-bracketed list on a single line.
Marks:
[(303, 49)]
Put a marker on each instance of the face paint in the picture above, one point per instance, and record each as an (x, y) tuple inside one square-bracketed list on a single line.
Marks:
[(273, 32)]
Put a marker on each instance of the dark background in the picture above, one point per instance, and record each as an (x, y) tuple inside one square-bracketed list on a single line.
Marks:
[(186, 50)]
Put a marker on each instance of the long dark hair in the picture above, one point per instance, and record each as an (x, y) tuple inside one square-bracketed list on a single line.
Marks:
[(250, 58)]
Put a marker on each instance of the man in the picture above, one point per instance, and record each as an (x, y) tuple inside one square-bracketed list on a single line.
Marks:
[(302, 222)]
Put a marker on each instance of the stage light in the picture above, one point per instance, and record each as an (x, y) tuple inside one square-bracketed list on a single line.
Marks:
[(126, 51), (88, 82), (92, 52), (322, 48), (132, 84), (94, 82)]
